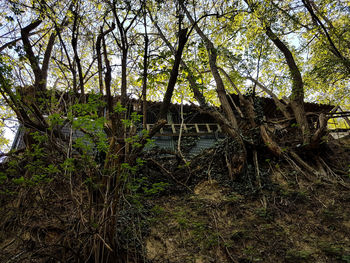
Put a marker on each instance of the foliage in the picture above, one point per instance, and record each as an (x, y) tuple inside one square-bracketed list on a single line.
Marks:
[(77, 75)]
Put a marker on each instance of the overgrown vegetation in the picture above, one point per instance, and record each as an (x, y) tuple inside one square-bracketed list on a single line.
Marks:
[(173, 212), (84, 185)]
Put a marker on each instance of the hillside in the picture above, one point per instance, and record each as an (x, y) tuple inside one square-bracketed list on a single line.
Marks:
[(113, 103), (178, 212)]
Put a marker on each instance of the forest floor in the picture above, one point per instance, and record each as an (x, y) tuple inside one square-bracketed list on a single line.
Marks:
[(178, 212)]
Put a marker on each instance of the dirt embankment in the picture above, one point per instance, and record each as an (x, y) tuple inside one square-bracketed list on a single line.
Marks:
[(193, 211)]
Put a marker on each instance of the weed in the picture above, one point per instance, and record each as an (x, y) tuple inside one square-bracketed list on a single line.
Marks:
[(335, 250), (295, 255), (181, 219), (252, 254), (263, 213)]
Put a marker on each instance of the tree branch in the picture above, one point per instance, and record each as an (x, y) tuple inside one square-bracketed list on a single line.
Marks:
[(212, 53), (173, 74), (30, 54)]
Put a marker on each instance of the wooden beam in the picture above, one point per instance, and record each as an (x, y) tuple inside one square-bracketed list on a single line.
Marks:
[(196, 126), (185, 127), (208, 127), (188, 128)]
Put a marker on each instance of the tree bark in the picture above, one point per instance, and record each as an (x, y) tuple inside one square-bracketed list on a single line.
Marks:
[(99, 55), (182, 39), (124, 76), (173, 75), (145, 75), (297, 97), (34, 62), (47, 56), (212, 53), (75, 35), (40, 73), (198, 95)]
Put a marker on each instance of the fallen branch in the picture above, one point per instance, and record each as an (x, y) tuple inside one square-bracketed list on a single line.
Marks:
[(170, 174), (11, 153)]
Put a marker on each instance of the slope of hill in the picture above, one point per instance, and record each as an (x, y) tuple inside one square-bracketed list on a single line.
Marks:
[(192, 211)]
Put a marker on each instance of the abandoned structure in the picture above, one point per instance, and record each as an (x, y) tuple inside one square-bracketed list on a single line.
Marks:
[(188, 121)]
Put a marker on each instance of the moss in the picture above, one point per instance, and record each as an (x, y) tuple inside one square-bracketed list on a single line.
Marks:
[(264, 213), (294, 255), (295, 195), (234, 198), (181, 218), (240, 234), (158, 210), (251, 254), (336, 251), (330, 215)]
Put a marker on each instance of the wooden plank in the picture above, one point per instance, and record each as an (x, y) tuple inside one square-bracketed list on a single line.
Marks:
[(345, 117), (219, 128), (185, 127), (196, 126), (184, 134), (208, 127), (338, 115), (340, 130)]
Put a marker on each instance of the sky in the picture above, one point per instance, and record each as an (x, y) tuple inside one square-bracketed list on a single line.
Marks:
[(9, 133)]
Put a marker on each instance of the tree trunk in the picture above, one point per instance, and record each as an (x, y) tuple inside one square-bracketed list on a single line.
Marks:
[(297, 97), (198, 95), (144, 77), (212, 53), (99, 55), (124, 77), (173, 75)]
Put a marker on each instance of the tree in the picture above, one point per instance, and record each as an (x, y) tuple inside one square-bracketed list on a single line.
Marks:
[(78, 64)]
